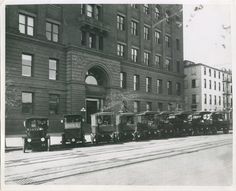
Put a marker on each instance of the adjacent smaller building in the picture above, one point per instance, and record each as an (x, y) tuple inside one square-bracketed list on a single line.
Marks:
[(207, 88)]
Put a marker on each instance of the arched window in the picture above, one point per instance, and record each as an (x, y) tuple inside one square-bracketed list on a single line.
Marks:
[(91, 80)]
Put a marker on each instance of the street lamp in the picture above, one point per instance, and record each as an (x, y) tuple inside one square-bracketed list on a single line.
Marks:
[(83, 110)]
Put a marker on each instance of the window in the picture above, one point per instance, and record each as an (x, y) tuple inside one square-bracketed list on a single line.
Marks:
[(214, 74), (120, 23), (204, 70), (136, 106), (52, 31), (93, 11), (149, 106), (134, 5), (159, 86), (160, 106), (123, 80), (169, 88), (83, 37), (157, 37), (178, 89), (120, 49), (148, 84), (100, 44), (146, 33), (90, 10), (205, 98), (214, 85), (193, 71), (26, 60), (54, 101), (158, 61), (177, 44), (26, 24), (210, 101), (194, 83), (223, 87), (178, 66), (97, 13), (219, 86), (136, 82), (134, 55), (134, 28), (219, 75), (92, 40), (157, 12), (167, 15), (168, 43), (167, 65), (27, 102), (146, 58), (205, 83), (169, 106), (215, 99), (146, 9), (53, 74), (209, 72), (209, 84), (219, 100), (194, 99)]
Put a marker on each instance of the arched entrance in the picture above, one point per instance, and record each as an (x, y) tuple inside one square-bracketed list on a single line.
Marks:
[(96, 83)]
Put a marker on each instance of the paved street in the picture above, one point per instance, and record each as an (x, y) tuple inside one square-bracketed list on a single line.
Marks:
[(200, 160)]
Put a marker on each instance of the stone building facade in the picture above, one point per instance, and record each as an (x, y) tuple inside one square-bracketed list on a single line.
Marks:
[(61, 58)]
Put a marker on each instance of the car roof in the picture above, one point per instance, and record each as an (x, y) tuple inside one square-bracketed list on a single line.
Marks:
[(201, 112), (148, 113), (166, 112), (103, 113), (126, 114), (39, 117), (67, 115)]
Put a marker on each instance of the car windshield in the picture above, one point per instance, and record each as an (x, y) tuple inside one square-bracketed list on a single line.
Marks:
[(72, 119), (219, 117), (37, 123), (104, 119)]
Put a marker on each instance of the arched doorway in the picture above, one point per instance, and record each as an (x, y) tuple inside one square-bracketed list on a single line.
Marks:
[(96, 83)]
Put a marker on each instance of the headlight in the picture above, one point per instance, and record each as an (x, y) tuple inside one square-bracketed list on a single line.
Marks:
[(73, 140), (125, 134), (29, 140), (42, 139), (139, 136), (155, 132)]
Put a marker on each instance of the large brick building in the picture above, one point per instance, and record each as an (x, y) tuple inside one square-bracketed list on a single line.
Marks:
[(61, 58)]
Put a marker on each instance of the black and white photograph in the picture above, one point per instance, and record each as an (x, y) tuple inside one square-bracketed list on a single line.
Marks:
[(117, 96)]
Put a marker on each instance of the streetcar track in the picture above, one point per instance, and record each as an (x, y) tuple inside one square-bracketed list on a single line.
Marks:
[(46, 158), (174, 151)]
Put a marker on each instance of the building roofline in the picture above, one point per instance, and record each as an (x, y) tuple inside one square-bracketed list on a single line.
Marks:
[(200, 64)]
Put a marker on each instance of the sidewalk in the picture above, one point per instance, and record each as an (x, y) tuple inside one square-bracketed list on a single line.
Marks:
[(15, 142)]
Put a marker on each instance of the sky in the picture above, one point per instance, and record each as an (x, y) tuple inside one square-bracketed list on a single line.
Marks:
[(205, 39)]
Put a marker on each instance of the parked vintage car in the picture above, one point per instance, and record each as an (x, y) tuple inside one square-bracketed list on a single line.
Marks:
[(36, 134), (73, 130), (202, 123), (103, 127), (165, 126), (182, 123), (150, 122), (142, 127), (220, 122), (125, 126)]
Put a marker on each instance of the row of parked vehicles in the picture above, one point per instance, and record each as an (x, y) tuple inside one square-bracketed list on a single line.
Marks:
[(127, 126)]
